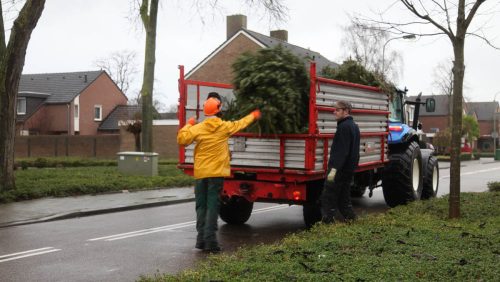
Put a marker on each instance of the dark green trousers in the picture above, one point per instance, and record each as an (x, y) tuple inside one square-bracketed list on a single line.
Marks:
[(207, 193)]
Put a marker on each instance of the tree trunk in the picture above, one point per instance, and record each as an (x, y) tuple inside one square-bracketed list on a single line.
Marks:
[(456, 129), (456, 134), (137, 137), (12, 58), (149, 20)]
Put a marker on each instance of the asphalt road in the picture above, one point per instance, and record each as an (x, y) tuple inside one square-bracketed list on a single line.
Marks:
[(122, 246)]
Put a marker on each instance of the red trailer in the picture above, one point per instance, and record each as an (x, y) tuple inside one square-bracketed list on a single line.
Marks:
[(290, 168)]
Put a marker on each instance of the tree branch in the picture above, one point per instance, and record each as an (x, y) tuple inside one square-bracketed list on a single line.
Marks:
[(484, 39), (2, 32), (414, 10), (392, 28), (472, 12), (448, 20), (144, 13)]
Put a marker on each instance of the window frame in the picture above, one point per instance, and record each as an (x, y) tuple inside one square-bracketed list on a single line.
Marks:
[(100, 113), (17, 105), (76, 109)]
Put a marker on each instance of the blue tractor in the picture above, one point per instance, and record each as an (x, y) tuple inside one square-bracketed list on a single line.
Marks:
[(413, 171)]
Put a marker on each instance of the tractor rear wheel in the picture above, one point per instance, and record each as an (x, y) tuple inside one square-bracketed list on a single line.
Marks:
[(402, 178)]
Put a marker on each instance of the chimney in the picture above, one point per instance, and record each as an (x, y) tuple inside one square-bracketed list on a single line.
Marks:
[(235, 23), (85, 79), (280, 34)]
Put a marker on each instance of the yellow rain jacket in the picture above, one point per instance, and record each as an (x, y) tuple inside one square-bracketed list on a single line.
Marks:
[(211, 153)]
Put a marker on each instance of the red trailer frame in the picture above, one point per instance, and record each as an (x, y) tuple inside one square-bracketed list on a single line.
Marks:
[(281, 184)]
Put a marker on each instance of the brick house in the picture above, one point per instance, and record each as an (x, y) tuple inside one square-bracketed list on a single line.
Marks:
[(433, 122), (486, 113), (73, 103), (216, 67), (440, 119)]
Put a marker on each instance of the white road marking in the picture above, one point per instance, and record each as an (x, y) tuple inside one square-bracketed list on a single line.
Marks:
[(280, 207), (169, 227), (29, 253), (177, 225), (473, 172)]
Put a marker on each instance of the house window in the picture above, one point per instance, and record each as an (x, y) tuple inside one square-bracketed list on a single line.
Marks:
[(98, 112), (77, 112), (21, 106)]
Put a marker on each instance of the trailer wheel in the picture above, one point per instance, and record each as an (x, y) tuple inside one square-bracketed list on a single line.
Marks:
[(357, 191), (402, 178), (236, 210), (312, 208), (431, 179)]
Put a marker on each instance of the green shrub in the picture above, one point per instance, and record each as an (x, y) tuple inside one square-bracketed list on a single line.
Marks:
[(465, 156), (40, 162), (24, 165), (443, 158), (486, 155), (494, 186), (63, 162)]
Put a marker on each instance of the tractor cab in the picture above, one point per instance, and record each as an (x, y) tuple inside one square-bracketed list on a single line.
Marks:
[(400, 130)]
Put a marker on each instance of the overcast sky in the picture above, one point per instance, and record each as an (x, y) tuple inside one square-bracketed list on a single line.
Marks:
[(72, 34)]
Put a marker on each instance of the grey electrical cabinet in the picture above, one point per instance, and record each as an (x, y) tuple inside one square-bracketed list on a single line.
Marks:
[(138, 163)]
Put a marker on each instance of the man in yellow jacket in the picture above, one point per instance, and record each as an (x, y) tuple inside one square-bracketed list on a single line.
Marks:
[(211, 165)]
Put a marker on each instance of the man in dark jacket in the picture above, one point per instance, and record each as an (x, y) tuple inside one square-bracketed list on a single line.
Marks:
[(344, 159)]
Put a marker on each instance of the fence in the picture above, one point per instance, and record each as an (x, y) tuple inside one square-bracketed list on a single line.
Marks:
[(164, 140), (100, 146)]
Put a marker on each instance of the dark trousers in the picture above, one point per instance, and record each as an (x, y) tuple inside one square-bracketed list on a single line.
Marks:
[(207, 194), (336, 195)]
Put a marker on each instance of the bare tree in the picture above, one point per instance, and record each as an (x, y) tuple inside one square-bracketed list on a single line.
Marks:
[(158, 106), (453, 20), (172, 108), (443, 78), (368, 46), (12, 56), (148, 10), (121, 66), (443, 82)]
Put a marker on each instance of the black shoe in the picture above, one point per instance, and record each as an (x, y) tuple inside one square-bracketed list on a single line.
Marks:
[(328, 220), (200, 245), (213, 250)]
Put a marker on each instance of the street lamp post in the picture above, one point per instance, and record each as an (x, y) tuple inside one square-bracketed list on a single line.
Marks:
[(409, 36), (495, 131)]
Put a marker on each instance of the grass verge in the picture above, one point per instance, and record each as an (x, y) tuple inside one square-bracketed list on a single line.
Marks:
[(25, 163), (71, 181), (413, 242)]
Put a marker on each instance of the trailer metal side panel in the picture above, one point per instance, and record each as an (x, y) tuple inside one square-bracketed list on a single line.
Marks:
[(301, 153)]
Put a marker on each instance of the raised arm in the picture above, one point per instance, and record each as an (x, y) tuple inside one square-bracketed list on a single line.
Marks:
[(235, 126), (186, 135)]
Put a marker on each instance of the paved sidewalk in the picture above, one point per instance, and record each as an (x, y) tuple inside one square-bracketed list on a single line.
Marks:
[(48, 209), (446, 165)]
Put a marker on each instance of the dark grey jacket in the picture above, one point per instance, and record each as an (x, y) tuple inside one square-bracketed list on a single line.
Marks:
[(344, 153)]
